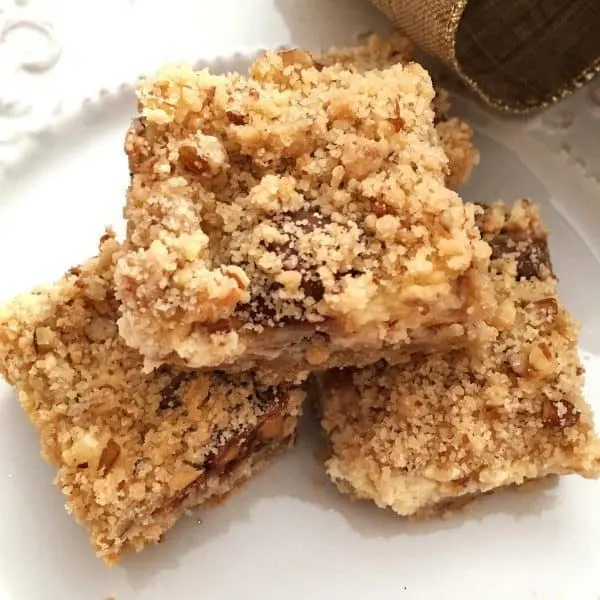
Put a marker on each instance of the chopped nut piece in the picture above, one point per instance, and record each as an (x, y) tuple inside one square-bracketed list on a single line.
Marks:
[(191, 160), (203, 154), (230, 454), (237, 118), (295, 56), (182, 478), (109, 456), (560, 414), (519, 363), (271, 428), (85, 451), (540, 359)]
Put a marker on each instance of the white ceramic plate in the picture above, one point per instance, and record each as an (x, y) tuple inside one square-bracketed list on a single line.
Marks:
[(288, 534)]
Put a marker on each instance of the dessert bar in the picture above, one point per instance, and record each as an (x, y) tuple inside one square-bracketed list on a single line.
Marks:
[(430, 434), (455, 135), (297, 217), (133, 450)]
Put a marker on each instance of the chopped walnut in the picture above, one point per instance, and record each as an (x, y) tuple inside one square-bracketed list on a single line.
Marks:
[(519, 363), (295, 56), (85, 451), (204, 154), (559, 414), (109, 456), (541, 360), (182, 477)]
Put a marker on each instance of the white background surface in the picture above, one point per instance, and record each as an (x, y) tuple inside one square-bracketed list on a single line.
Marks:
[(288, 534)]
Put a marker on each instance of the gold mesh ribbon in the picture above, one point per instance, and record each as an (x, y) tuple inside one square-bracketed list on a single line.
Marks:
[(518, 55)]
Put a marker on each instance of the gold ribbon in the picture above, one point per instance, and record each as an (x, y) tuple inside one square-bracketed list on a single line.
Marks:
[(518, 55)]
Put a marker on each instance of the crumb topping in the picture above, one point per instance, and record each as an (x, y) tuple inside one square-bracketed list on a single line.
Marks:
[(130, 447), (455, 135), (305, 193), (461, 423)]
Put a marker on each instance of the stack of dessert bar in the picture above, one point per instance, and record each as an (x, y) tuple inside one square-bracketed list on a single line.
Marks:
[(300, 224)]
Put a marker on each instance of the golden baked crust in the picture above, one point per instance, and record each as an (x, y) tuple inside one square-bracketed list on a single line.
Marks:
[(133, 451), (444, 428), (292, 215)]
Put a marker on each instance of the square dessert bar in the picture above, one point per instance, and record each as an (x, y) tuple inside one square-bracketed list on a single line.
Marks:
[(134, 451), (455, 135), (430, 434), (297, 217)]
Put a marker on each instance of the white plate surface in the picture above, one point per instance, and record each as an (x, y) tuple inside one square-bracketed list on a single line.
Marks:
[(288, 534)]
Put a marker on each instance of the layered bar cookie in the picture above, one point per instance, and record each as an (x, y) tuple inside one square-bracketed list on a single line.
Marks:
[(455, 135), (428, 435), (297, 216), (133, 451)]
